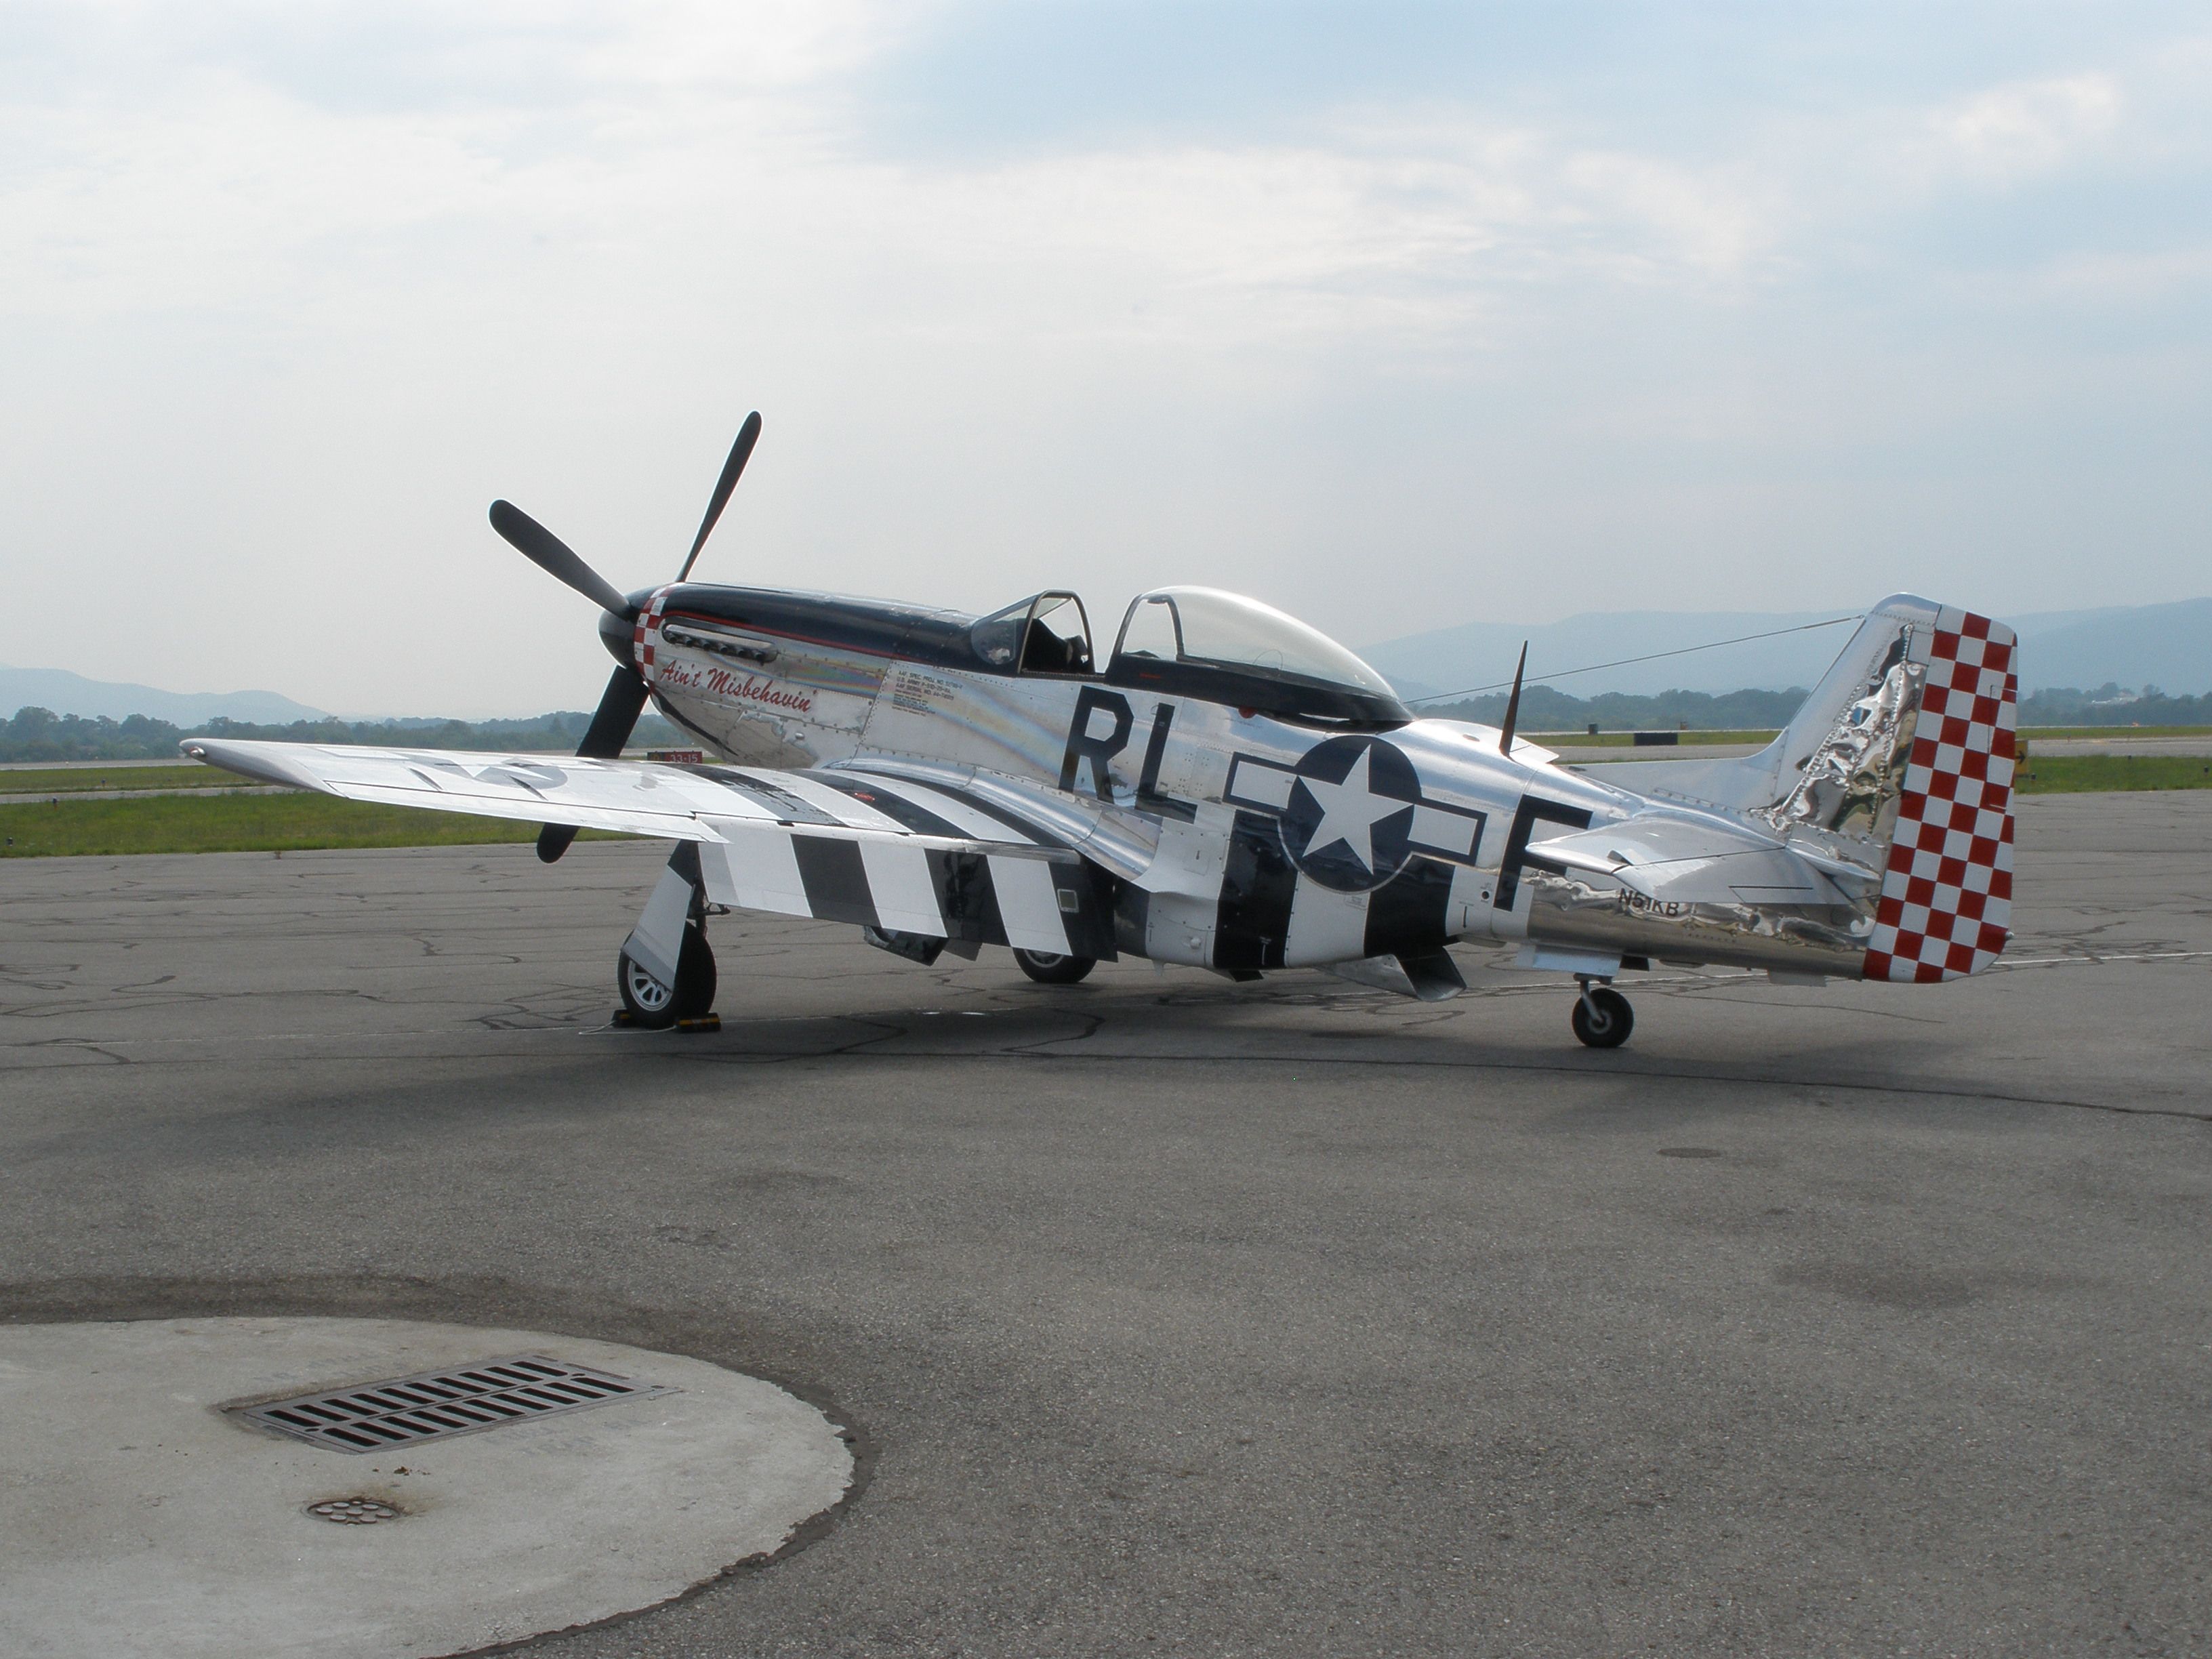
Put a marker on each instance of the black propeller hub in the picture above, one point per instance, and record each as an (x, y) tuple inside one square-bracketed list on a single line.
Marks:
[(619, 633)]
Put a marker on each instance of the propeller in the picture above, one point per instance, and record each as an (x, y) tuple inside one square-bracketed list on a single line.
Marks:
[(624, 699), (733, 470), (556, 558), (1512, 707)]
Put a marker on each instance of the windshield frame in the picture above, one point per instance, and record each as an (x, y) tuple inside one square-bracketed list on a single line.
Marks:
[(1002, 640)]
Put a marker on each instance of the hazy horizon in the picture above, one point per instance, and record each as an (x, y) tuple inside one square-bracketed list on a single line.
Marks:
[(1712, 653), (1399, 317)]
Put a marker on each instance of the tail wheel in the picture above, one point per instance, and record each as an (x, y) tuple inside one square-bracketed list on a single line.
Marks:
[(656, 1004), (1047, 968), (1602, 1018)]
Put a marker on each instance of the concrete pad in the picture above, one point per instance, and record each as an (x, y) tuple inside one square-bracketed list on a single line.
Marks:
[(138, 1517)]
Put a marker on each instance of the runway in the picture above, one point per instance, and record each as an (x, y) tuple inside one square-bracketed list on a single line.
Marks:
[(1175, 1316)]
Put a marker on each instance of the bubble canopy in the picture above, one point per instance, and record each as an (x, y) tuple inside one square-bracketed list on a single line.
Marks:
[(1206, 642)]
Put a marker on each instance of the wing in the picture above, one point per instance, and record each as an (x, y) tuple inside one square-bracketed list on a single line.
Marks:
[(943, 860)]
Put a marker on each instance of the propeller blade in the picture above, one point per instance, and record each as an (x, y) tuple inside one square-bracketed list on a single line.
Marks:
[(1513, 706), (553, 840), (740, 452), (554, 557), (620, 705)]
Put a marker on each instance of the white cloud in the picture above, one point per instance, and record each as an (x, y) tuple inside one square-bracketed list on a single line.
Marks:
[(561, 250), (2030, 127), (228, 192)]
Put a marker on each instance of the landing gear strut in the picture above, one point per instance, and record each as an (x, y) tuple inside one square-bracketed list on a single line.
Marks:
[(666, 971), (1602, 1018), (1048, 968)]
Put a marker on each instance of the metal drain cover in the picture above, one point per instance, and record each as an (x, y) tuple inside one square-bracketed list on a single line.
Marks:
[(404, 1411), (353, 1512)]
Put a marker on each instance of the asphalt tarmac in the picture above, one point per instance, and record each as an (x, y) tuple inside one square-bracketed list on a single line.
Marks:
[(1175, 1316)]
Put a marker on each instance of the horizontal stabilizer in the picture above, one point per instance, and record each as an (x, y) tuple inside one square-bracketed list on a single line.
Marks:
[(1672, 860)]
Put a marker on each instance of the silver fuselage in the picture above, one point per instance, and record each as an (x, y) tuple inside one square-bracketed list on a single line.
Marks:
[(1197, 807)]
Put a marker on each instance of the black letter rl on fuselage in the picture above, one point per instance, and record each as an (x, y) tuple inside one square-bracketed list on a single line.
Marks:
[(1085, 742)]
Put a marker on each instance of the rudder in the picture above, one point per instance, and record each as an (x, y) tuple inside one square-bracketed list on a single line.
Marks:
[(1945, 909)]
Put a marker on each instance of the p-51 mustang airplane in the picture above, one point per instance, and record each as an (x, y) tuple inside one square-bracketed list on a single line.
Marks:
[(1233, 790)]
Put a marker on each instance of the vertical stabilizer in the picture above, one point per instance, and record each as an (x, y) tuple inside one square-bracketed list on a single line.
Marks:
[(1901, 764), (1895, 778)]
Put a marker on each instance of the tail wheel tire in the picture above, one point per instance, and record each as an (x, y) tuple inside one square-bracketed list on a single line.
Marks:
[(1048, 969), (1602, 1018), (655, 1004)]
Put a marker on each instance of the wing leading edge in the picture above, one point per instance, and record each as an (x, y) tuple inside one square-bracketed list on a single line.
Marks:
[(903, 858)]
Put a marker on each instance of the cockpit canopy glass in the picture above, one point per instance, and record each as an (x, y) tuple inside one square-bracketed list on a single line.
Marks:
[(1205, 628), (1046, 635)]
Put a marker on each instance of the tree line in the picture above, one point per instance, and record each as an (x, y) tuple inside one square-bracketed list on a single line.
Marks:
[(39, 734)]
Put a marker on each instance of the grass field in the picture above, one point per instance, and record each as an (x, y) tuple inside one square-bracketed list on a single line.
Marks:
[(77, 779), (2085, 775), (239, 824), (284, 821), (2114, 731)]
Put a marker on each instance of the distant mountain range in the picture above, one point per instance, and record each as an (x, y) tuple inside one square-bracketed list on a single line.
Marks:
[(66, 693), (2168, 645)]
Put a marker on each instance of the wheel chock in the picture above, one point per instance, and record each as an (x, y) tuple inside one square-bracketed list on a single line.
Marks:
[(703, 1023)]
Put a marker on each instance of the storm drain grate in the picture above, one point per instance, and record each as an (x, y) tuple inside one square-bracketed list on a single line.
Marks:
[(353, 1512), (437, 1405)]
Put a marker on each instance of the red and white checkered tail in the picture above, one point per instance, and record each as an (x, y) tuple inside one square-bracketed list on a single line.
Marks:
[(1946, 902)]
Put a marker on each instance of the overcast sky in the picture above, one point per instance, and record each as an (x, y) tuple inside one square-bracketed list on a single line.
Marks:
[(1394, 315)]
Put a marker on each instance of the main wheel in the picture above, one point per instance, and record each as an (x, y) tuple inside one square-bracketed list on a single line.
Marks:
[(656, 1005), (1048, 968), (1602, 1018)]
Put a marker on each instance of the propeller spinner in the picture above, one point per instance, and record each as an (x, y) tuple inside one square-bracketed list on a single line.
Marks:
[(624, 699)]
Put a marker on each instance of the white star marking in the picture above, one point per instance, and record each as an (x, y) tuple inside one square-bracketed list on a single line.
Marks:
[(1349, 812)]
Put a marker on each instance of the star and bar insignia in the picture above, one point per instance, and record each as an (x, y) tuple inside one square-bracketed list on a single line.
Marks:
[(1351, 812)]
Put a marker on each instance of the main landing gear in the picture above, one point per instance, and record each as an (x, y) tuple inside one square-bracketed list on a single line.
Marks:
[(1602, 1018), (666, 972), (1048, 969), (656, 1004)]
